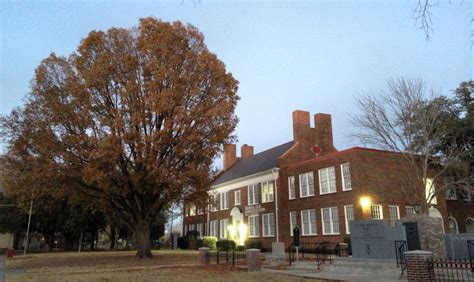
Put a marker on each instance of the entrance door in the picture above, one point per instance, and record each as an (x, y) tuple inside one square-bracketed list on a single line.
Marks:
[(413, 237)]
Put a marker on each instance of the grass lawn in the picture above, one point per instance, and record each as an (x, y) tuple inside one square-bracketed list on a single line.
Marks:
[(167, 265)]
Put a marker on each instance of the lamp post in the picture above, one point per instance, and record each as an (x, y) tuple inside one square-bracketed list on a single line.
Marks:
[(28, 229)]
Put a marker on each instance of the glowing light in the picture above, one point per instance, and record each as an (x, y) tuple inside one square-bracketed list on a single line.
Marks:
[(242, 233), (365, 202)]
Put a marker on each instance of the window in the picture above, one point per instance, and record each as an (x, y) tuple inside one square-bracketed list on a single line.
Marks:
[(409, 210), (466, 195), (293, 223), (237, 198), (394, 212), (267, 192), (346, 177), (291, 187), (192, 209), (200, 229), (308, 221), (469, 225), (191, 227), (330, 220), (268, 221), (430, 192), (451, 193), (224, 197), (376, 211), (253, 195), (453, 225), (254, 228), (213, 203), (213, 228), (185, 230), (349, 215), (223, 228), (306, 184), (327, 180), (200, 210)]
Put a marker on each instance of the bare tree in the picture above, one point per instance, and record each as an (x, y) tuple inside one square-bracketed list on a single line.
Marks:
[(410, 119)]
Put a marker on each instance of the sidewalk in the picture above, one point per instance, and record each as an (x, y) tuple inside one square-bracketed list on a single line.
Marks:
[(2, 268)]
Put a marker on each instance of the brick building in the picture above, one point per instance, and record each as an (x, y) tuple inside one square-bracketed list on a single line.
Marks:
[(307, 183)]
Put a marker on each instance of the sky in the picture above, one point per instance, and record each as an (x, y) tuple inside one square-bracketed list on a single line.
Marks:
[(315, 55)]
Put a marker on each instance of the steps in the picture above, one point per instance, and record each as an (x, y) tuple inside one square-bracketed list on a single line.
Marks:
[(351, 269)]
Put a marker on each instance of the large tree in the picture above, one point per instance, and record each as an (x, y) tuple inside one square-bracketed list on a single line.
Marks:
[(132, 120), (414, 121)]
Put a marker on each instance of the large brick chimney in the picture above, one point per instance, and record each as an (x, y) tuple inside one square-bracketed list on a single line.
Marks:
[(230, 155), (246, 151), (301, 126), (308, 137), (323, 131)]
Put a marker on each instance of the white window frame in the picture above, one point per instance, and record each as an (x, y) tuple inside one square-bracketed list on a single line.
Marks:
[(213, 228), (267, 197), (390, 209), (327, 170), (332, 222), (223, 228), (253, 223), (200, 229), (291, 187), (411, 209), (224, 200), (451, 193), (254, 188), (268, 231), (372, 211), (343, 177), (237, 203), (451, 218), (304, 179), (346, 218), (310, 223), (293, 222), (213, 203)]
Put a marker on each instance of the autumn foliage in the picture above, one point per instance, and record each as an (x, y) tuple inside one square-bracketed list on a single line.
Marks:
[(131, 121)]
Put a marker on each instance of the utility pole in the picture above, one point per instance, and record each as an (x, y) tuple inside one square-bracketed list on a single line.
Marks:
[(28, 229)]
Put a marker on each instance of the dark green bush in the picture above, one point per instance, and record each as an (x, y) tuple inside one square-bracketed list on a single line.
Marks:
[(240, 248), (182, 243), (191, 239), (225, 245), (208, 242), (254, 244)]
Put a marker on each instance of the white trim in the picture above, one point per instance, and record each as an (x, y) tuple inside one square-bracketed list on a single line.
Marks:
[(381, 212), (271, 174), (235, 198), (254, 188), (328, 180), (307, 183), (225, 201), (342, 177), (263, 224), (390, 214), (257, 229), (289, 187), (309, 222), (346, 219), (331, 221), (263, 195), (455, 221)]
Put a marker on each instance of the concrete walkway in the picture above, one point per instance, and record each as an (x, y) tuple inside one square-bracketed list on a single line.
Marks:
[(2, 269)]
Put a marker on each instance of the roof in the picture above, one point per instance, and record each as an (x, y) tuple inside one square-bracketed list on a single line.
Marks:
[(259, 162)]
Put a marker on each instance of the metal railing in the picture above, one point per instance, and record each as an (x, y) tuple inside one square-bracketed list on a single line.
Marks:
[(451, 269), (228, 257), (319, 252), (400, 249)]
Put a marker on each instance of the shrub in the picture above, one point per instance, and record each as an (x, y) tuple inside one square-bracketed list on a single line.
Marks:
[(240, 248), (255, 244), (191, 239), (182, 243), (208, 242), (225, 245)]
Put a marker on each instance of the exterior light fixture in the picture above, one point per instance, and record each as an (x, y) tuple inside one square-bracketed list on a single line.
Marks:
[(365, 202)]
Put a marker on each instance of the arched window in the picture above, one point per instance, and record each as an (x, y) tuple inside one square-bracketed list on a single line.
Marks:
[(470, 225), (453, 225)]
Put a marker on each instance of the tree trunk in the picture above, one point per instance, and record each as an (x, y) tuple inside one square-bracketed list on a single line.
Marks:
[(142, 233), (50, 242), (112, 237), (16, 236)]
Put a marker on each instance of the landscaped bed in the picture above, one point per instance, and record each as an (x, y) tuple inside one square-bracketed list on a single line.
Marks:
[(167, 265)]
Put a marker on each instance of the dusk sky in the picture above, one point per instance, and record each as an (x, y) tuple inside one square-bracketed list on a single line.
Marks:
[(315, 56)]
